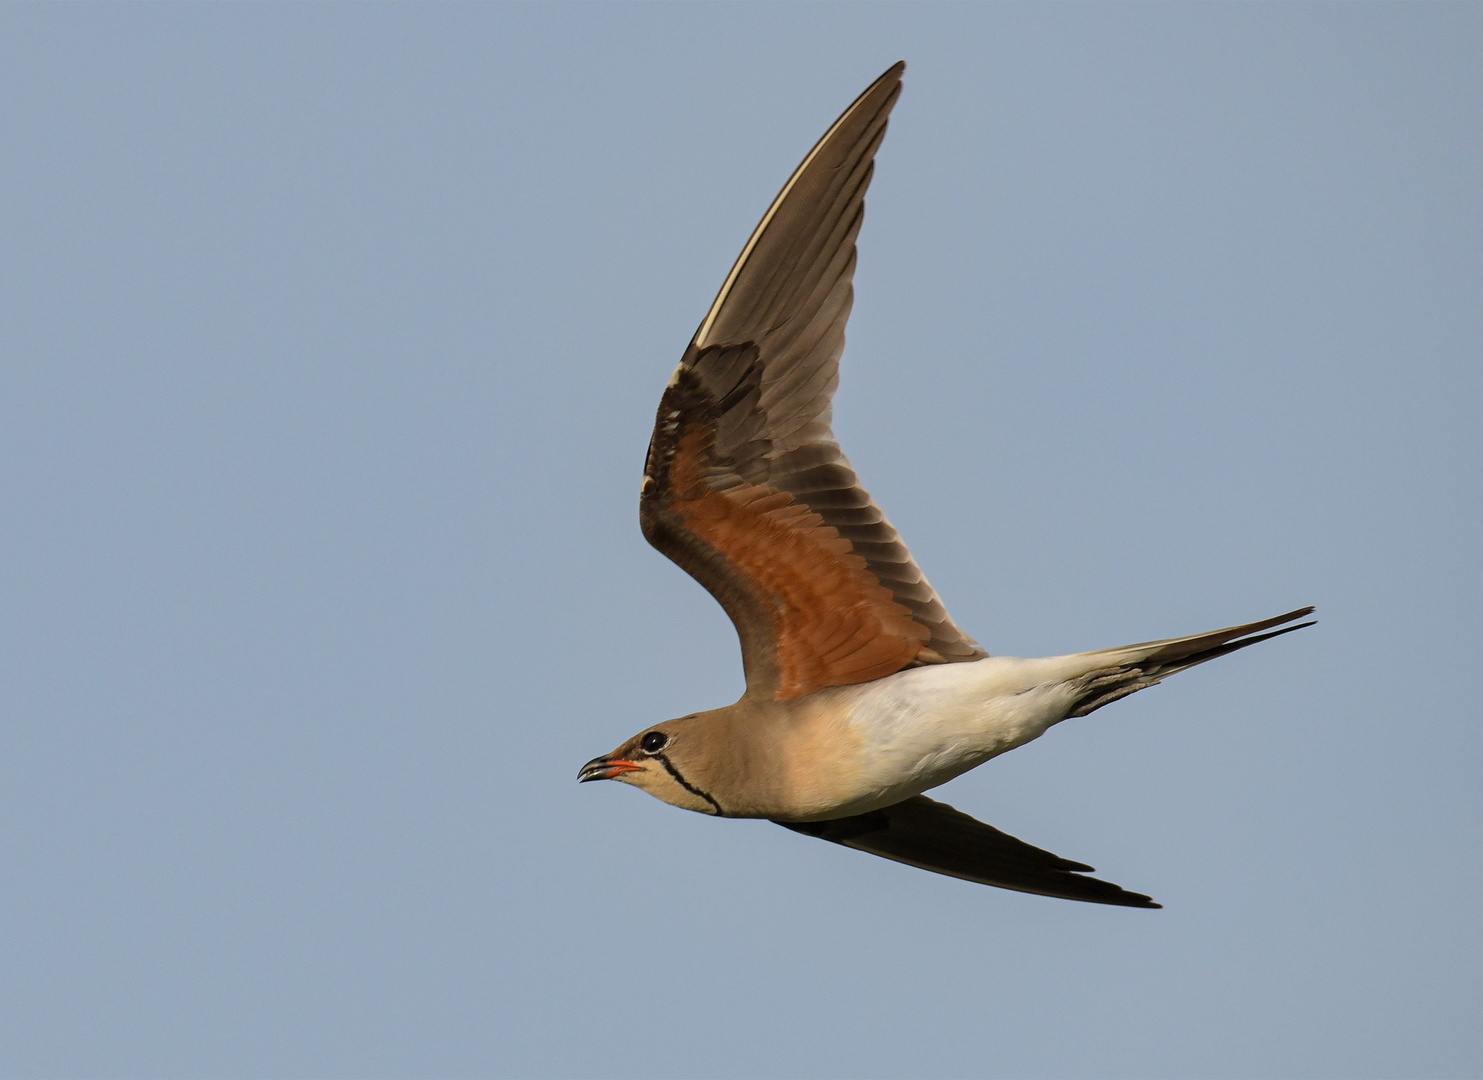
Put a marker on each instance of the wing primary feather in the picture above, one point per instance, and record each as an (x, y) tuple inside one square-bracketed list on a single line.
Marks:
[(890, 80), (933, 836), (746, 487)]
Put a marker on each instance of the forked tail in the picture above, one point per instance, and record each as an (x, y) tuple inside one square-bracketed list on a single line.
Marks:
[(1131, 668)]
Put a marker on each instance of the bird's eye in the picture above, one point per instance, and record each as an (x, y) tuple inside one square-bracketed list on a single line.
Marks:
[(653, 742)]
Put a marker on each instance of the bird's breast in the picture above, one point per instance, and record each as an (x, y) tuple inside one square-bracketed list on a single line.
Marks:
[(858, 748)]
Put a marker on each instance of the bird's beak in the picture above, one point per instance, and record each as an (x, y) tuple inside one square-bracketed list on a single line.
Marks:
[(603, 768)]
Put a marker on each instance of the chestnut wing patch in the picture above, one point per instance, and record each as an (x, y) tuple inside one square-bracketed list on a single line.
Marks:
[(745, 486), (808, 609)]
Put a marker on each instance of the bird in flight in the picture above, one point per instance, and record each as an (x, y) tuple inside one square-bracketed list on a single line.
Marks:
[(861, 692)]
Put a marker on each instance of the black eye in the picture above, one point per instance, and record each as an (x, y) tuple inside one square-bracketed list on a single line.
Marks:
[(653, 742)]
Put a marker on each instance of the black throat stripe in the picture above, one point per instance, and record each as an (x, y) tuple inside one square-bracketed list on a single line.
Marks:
[(688, 786)]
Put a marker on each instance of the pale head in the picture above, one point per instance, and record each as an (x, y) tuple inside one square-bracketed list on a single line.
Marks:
[(661, 760)]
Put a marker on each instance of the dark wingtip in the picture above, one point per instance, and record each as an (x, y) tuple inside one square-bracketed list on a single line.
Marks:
[(891, 74), (1124, 898)]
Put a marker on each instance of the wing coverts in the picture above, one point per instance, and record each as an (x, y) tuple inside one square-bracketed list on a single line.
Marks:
[(745, 486)]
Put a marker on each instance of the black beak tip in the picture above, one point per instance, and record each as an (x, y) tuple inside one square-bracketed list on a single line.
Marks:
[(596, 769)]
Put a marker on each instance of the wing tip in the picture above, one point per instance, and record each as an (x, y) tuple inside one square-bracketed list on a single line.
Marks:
[(1115, 895), (1137, 900)]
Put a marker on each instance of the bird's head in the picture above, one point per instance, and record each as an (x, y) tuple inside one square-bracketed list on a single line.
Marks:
[(663, 760)]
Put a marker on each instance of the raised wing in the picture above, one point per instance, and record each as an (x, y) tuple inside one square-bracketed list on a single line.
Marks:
[(933, 836), (745, 486)]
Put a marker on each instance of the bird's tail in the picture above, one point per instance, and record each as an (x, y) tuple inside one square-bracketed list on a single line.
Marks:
[(1131, 668)]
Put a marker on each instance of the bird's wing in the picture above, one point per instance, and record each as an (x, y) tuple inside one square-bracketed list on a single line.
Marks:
[(934, 836), (745, 486)]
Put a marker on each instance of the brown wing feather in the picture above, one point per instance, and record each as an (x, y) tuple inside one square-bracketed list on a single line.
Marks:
[(807, 608), (745, 486)]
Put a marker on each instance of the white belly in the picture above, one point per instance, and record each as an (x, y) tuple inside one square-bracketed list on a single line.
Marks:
[(924, 726)]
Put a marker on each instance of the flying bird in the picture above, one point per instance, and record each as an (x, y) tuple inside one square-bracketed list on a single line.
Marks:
[(861, 691)]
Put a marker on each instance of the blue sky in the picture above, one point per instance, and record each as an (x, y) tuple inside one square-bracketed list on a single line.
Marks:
[(332, 337)]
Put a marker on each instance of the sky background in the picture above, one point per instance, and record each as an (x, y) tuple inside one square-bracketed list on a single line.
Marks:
[(331, 338)]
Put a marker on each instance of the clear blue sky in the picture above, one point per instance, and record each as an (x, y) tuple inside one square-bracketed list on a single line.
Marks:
[(331, 339)]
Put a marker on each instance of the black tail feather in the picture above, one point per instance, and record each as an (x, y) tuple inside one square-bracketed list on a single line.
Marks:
[(1106, 685)]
